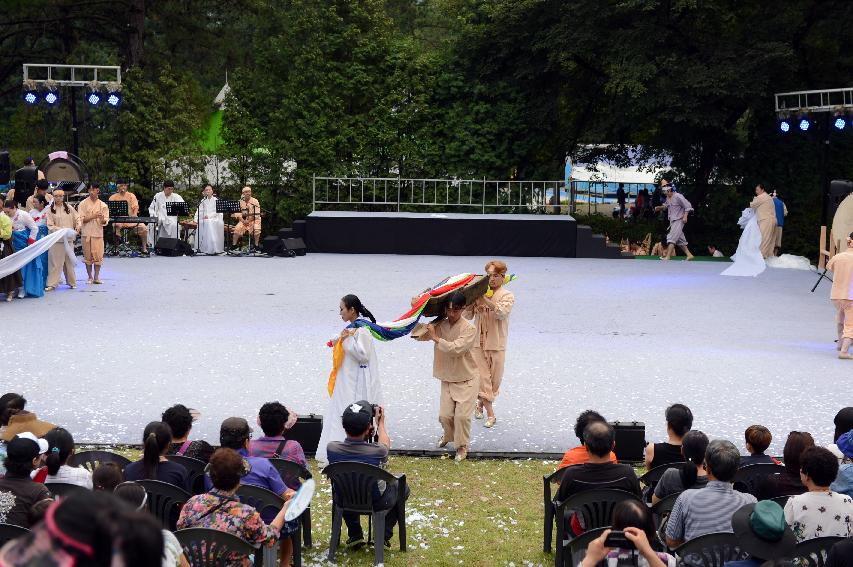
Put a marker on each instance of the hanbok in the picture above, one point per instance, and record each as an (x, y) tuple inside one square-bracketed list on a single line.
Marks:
[(748, 260), (210, 231), (166, 225)]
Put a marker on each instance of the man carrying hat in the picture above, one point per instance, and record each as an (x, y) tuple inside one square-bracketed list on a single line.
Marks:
[(18, 492), (762, 532)]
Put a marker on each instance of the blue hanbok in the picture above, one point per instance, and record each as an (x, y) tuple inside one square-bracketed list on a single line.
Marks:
[(34, 274)]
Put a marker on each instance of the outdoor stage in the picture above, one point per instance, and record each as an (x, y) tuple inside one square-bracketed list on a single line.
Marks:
[(224, 335)]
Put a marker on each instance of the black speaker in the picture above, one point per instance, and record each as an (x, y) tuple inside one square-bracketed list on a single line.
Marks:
[(5, 168), (166, 246), (299, 228), (307, 431), (25, 183), (273, 246), (295, 245), (286, 233), (630, 441)]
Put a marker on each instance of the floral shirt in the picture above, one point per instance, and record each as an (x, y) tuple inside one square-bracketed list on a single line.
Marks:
[(820, 514), (233, 517)]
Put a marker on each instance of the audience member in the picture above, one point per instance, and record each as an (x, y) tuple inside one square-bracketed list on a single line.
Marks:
[(579, 455), (707, 510), (762, 532), (841, 554), (758, 438), (89, 529), (220, 509), (714, 252), (844, 479), (106, 477), (272, 419), (38, 510), (787, 483), (60, 448), (39, 473), (5, 400), (134, 494), (692, 475), (180, 419), (679, 420), (18, 492), (635, 520), (156, 440), (16, 420), (819, 512), (357, 421), (843, 423)]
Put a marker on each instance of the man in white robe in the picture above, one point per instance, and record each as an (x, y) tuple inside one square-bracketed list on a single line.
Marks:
[(210, 225), (166, 225)]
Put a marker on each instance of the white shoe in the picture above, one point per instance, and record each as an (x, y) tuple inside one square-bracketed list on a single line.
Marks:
[(21, 293)]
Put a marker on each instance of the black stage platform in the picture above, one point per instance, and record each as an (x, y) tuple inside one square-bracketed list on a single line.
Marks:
[(449, 234)]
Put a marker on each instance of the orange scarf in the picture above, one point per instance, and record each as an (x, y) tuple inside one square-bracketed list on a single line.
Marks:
[(337, 361)]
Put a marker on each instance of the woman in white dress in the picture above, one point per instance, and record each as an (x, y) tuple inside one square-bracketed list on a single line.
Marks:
[(357, 375), (748, 260)]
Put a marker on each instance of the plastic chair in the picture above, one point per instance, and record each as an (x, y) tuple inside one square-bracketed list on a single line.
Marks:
[(264, 500), (661, 512), (204, 547), (594, 507), (195, 470), (710, 550), (748, 478), (577, 546), (781, 500), (165, 501), (548, 506), (352, 488), (812, 552), (91, 459), (652, 478), (289, 469), (8, 532), (64, 488)]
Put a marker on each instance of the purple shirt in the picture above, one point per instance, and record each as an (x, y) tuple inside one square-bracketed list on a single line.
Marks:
[(268, 448), (676, 206)]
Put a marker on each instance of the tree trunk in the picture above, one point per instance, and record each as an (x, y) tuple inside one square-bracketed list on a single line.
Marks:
[(135, 33)]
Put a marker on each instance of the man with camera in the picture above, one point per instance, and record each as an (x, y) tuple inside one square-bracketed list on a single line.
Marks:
[(358, 421)]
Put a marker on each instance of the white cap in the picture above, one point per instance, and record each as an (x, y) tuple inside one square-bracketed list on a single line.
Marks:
[(43, 446)]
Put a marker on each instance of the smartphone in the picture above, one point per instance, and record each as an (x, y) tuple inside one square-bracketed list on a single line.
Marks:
[(616, 538)]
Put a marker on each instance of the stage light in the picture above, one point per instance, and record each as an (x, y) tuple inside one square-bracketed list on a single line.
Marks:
[(805, 124), (31, 97), (51, 97), (840, 123), (114, 99), (784, 126), (94, 98)]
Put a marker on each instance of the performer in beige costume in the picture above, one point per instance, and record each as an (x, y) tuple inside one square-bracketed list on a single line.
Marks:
[(249, 217), (765, 214), (492, 323), (842, 296), (132, 211), (454, 365), (94, 216), (60, 215)]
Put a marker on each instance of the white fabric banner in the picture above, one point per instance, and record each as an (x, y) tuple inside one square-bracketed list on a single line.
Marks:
[(748, 260), (21, 258)]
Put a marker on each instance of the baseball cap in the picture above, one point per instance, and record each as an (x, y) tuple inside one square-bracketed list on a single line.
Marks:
[(357, 416), (22, 449), (42, 443)]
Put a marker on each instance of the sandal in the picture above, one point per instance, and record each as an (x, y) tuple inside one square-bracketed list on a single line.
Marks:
[(98, 282), (49, 288), (490, 422)]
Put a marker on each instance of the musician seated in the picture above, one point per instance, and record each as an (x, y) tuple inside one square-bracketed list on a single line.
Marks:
[(249, 217), (140, 230), (209, 235)]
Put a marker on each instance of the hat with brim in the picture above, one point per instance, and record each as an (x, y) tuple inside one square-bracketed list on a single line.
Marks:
[(26, 421), (762, 532)]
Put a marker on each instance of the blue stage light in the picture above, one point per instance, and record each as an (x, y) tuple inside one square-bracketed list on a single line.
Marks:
[(805, 124), (114, 99), (784, 126), (31, 97), (94, 99), (51, 97), (840, 123)]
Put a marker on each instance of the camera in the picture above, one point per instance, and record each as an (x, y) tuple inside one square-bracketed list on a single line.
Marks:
[(616, 538), (374, 409)]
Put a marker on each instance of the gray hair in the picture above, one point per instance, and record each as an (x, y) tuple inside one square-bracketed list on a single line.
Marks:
[(722, 459)]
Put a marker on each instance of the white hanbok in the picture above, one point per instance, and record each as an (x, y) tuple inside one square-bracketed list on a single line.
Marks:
[(748, 260), (166, 225), (357, 379), (210, 232)]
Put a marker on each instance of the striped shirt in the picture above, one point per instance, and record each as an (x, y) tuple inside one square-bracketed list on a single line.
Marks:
[(701, 511), (72, 475)]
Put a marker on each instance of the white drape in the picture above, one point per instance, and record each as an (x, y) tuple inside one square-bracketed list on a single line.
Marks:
[(748, 260), (11, 264)]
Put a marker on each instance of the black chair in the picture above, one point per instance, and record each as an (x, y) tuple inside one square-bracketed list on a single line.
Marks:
[(548, 505), (748, 478), (264, 500), (290, 470), (661, 512), (781, 500), (204, 547), (594, 507), (577, 546), (64, 488), (352, 491), (165, 501), (90, 460), (195, 470), (8, 532), (812, 552), (711, 550), (652, 477)]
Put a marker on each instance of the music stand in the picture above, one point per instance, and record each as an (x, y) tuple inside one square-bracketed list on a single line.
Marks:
[(117, 209), (227, 207), (177, 209)]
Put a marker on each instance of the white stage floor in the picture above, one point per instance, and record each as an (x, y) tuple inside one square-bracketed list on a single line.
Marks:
[(624, 337)]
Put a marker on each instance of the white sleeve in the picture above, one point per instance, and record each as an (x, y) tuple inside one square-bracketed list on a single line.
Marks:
[(359, 345)]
